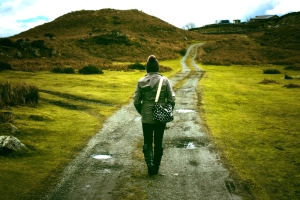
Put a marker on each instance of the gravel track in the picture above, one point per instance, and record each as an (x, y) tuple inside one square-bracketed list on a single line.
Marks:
[(190, 168)]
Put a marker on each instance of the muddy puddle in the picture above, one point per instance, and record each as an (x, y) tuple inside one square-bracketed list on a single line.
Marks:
[(184, 144), (185, 111), (101, 157)]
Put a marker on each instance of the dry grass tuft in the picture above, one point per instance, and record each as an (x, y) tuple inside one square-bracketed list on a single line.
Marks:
[(292, 85), (20, 94), (268, 81)]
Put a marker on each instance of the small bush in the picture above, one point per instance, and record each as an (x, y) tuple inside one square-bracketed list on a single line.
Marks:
[(63, 70), (40, 44), (50, 35), (6, 42), (292, 85), (90, 69), (5, 66), (138, 66), (114, 37), (163, 68), (268, 81), (21, 94), (182, 52), (272, 71)]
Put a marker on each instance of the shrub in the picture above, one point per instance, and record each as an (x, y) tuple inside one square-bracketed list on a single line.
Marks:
[(21, 94), (90, 69), (182, 52), (5, 66), (64, 70), (40, 44), (114, 37), (50, 35), (268, 81), (6, 42), (138, 66), (272, 71), (163, 68), (292, 85)]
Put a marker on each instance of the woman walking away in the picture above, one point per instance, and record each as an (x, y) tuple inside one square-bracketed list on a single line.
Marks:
[(144, 99)]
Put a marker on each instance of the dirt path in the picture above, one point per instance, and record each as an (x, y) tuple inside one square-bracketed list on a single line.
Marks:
[(190, 168)]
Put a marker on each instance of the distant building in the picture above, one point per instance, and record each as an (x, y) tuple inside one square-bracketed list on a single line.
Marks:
[(222, 21), (236, 21), (262, 17)]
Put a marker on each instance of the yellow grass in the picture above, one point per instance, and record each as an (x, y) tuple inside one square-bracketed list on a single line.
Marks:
[(256, 127), (71, 109)]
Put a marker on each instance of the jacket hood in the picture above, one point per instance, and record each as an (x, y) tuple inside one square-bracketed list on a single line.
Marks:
[(149, 81)]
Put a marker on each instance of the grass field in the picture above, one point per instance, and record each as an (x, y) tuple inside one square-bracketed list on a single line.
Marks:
[(71, 109), (256, 126)]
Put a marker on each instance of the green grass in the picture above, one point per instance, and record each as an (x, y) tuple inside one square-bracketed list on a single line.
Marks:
[(71, 109), (256, 126), (174, 64)]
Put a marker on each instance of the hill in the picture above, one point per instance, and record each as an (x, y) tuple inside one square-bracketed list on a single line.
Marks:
[(106, 37), (275, 41), (97, 37)]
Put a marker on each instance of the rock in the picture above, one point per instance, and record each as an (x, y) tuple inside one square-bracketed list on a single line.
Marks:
[(37, 53), (287, 77), (53, 52), (2, 138), (12, 143), (19, 55)]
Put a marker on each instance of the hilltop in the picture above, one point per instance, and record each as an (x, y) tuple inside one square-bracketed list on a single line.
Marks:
[(107, 38), (97, 37)]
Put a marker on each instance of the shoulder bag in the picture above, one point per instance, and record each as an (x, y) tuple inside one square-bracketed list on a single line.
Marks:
[(162, 114)]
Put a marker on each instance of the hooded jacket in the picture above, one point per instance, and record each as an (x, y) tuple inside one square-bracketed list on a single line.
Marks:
[(144, 96)]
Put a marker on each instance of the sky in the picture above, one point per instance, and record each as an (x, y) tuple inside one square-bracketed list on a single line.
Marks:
[(20, 15)]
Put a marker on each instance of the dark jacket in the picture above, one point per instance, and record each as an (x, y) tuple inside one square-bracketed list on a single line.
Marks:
[(144, 96)]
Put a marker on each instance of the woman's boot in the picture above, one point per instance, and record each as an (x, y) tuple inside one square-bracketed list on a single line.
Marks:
[(148, 154), (157, 159)]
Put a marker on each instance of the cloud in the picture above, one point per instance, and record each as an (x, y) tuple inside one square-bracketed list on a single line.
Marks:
[(284, 7), (36, 19), (259, 9), (13, 7)]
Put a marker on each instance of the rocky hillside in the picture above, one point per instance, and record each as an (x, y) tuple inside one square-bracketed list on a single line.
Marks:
[(275, 41), (100, 36), (106, 37), (251, 26)]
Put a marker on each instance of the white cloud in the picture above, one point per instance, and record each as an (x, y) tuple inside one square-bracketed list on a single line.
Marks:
[(285, 7)]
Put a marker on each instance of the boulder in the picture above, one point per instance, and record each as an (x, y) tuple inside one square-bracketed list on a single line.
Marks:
[(287, 77), (12, 143)]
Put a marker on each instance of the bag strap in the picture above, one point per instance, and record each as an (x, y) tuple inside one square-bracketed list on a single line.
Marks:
[(159, 89)]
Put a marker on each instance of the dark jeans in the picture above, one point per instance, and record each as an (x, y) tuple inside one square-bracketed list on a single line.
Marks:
[(156, 132)]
